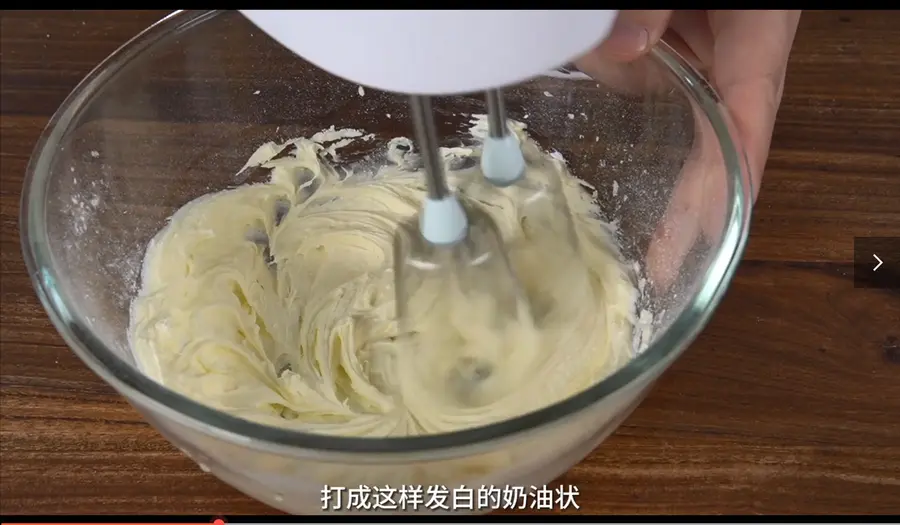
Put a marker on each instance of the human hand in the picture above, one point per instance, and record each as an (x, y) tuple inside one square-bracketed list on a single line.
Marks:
[(744, 55)]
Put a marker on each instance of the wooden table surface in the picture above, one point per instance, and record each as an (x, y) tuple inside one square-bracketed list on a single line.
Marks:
[(789, 402)]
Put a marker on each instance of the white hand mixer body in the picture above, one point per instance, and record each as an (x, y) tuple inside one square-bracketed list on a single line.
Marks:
[(440, 52)]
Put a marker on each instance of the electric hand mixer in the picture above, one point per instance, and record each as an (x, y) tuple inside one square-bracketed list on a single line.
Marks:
[(442, 52)]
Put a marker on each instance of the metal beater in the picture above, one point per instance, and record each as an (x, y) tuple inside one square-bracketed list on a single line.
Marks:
[(451, 251), (542, 200)]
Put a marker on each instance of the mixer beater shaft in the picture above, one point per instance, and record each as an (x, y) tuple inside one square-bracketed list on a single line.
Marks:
[(426, 135), (450, 261), (496, 114)]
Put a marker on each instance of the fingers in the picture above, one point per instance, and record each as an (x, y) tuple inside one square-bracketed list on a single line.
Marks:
[(691, 27), (633, 34), (695, 212), (750, 78), (749, 53), (615, 61)]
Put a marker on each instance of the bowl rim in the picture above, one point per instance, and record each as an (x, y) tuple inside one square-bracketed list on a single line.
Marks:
[(143, 391)]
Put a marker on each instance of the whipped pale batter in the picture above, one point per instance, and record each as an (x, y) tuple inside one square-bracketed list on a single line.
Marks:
[(275, 302)]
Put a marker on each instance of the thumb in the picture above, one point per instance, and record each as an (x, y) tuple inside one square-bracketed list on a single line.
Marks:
[(633, 34)]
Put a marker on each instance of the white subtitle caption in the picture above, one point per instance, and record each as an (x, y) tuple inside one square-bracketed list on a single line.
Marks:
[(440, 497)]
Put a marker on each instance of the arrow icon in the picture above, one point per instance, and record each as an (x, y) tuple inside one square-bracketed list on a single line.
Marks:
[(880, 262)]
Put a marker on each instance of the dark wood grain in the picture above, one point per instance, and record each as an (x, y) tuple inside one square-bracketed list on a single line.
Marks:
[(789, 402)]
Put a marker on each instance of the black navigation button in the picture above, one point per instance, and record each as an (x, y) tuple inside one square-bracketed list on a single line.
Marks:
[(876, 262)]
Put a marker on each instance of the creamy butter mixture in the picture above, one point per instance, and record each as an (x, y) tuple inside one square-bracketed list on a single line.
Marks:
[(275, 301)]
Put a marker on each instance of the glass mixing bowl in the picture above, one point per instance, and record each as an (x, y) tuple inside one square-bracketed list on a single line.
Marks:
[(175, 113)]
